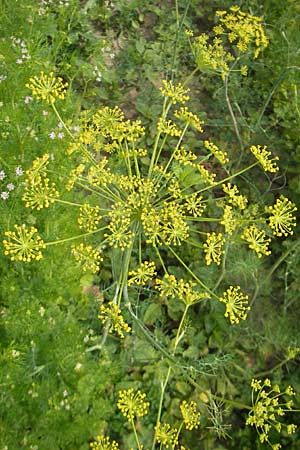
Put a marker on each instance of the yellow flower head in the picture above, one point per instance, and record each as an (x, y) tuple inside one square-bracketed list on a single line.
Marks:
[(40, 195), (214, 150), (263, 157), (132, 404), (190, 415), (168, 127), (282, 219), (177, 94), (168, 286), (268, 405), (145, 272), (213, 248), (23, 245), (236, 304), (189, 118), (89, 217), (104, 443), (88, 258), (194, 205), (257, 240), (38, 170), (47, 87), (166, 435), (112, 315)]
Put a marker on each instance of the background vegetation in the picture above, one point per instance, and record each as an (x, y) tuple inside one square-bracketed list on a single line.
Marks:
[(58, 390)]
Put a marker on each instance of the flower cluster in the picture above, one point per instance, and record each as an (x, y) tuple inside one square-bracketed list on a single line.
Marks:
[(88, 258), (39, 195), (170, 287), (111, 315), (236, 304), (242, 29), (213, 248), (263, 157), (47, 87), (257, 240), (144, 273), (282, 219), (104, 443), (176, 93), (268, 405), (132, 404), (191, 417), (89, 217), (166, 435), (23, 244)]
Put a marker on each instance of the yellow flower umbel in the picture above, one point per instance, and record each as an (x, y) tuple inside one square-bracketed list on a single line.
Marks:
[(214, 150), (144, 273), (177, 94), (189, 118), (242, 29), (257, 240), (40, 195), (194, 205), (38, 170), (233, 196), (190, 415), (104, 443), (132, 404), (23, 245), (236, 304), (47, 87), (111, 314), (166, 435), (263, 157), (89, 217), (212, 57), (213, 248), (268, 406), (88, 257), (168, 127), (282, 219)]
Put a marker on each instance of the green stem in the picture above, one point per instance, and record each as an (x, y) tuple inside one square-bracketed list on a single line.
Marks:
[(60, 241), (192, 274), (235, 125), (135, 435), (61, 120), (225, 179)]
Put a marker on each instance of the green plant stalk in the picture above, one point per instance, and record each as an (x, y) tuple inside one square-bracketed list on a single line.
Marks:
[(192, 274), (61, 120), (135, 435), (165, 382), (165, 111), (60, 241)]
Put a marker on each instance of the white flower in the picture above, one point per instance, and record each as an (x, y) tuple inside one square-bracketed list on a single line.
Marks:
[(2, 78), (61, 135), (2, 175), (42, 311), (59, 125), (45, 113), (10, 186), (4, 195), (28, 99), (52, 135), (19, 61), (78, 367), (19, 171)]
